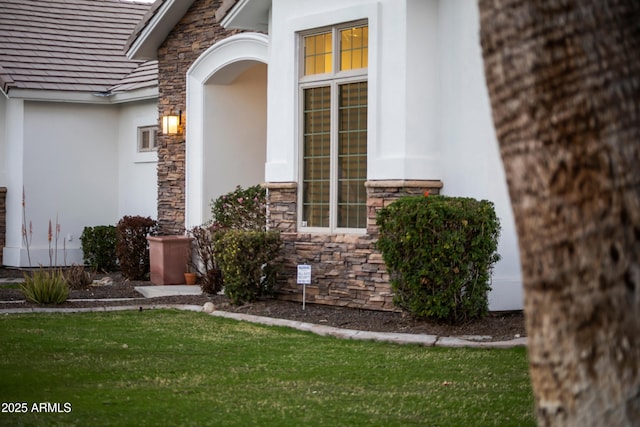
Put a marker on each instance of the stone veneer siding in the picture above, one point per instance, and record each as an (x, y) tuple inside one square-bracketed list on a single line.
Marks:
[(196, 32), (3, 219), (346, 269)]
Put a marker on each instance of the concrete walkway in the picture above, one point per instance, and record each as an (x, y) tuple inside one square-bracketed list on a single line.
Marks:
[(169, 290)]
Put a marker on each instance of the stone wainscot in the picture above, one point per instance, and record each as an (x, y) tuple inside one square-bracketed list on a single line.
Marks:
[(346, 269)]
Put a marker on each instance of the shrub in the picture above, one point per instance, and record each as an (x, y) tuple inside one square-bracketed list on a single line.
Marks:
[(205, 265), (45, 287), (241, 209), (440, 252), (247, 260), (77, 277), (132, 247), (99, 247)]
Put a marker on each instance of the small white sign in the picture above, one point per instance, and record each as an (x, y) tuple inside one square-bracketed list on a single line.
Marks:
[(304, 274)]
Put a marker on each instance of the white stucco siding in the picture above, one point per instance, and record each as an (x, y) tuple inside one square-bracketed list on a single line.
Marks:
[(288, 18), (472, 166), (13, 164), (226, 107), (429, 113), (403, 77), (138, 177), (69, 169), (234, 133), (3, 132), (423, 150)]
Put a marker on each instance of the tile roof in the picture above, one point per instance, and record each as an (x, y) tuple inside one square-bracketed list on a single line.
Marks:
[(144, 76), (71, 45)]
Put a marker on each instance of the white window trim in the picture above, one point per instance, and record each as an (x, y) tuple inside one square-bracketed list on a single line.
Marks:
[(148, 155), (153, 144), (334, 80)]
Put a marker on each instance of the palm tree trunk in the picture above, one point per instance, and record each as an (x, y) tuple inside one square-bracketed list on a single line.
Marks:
[(564, 83)]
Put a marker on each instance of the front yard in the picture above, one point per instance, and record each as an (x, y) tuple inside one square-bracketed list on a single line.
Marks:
[(181, 368)]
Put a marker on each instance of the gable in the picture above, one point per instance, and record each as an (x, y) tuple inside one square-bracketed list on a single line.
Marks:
[(154, 28)]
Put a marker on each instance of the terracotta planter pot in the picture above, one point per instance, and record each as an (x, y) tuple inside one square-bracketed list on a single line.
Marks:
[(169, 256), (190, 278)]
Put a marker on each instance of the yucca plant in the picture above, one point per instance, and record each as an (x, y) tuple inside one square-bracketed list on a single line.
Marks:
[(44, 287)]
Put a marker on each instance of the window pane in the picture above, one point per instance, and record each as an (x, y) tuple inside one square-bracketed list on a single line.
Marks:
[(318, 54), (147, 138), (317, 159), (144, 140), (354, 48), (352, 155)]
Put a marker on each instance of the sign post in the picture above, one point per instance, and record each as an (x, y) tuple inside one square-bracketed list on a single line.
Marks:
[(304, 279)]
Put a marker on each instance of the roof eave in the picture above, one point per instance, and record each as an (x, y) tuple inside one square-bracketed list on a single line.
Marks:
[(248, 15), (144, 94), (84, 97), (145, 44)]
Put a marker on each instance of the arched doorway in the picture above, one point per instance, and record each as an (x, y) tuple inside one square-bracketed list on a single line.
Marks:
[(226, 121)]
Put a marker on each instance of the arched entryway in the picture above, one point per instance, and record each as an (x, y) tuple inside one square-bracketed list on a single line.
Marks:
[(226, 121)]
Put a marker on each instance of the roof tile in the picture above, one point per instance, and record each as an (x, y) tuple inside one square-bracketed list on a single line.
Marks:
[(71, 45)]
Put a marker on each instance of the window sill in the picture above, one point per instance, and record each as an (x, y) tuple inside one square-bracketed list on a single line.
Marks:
[(329, 231), (146, 157)]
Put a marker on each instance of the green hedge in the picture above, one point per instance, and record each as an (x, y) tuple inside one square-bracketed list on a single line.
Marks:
[(132, 247), (440, 252), (99, 247), (247, 259), (241, 209)]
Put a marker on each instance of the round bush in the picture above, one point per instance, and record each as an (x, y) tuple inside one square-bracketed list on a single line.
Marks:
[(440, 252)]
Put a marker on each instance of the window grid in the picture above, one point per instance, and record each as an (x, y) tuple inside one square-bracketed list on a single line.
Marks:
[(318, 54), (352, 156), (317, 152), (354, 48), (333, 94)]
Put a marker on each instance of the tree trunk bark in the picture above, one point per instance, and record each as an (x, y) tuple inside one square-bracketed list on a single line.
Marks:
[(564, 83)]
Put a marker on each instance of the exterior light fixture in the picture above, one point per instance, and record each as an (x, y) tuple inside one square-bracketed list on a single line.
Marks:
[(171, 123)]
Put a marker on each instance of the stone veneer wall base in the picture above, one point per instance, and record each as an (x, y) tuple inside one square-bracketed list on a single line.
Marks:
[(346, 269)]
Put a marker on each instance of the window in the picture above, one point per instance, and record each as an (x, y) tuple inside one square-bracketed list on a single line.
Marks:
[(333, 92), (147, 138)]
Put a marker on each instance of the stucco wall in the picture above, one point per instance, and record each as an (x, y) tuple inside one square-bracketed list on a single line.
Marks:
[(3, 128), (66, 161), (471, 160), (429, 115), (77, 162), (137, 172), (3, 183), (235, 129)]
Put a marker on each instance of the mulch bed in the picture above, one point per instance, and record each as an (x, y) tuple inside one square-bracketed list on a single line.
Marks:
[(498, 326)]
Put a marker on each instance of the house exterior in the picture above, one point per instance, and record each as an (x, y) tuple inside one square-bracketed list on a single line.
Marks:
[(77, 123), (339, 107)]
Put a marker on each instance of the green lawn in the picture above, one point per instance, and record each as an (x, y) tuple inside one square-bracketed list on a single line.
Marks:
[(177, 368)]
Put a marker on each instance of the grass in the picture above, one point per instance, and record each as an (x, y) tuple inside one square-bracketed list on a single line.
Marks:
[(184, 369)]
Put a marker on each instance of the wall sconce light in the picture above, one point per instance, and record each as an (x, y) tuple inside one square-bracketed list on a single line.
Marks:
[(171, 123)]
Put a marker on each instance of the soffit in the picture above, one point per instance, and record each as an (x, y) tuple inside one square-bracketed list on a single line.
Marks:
[(246, 15), (154, 28)]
